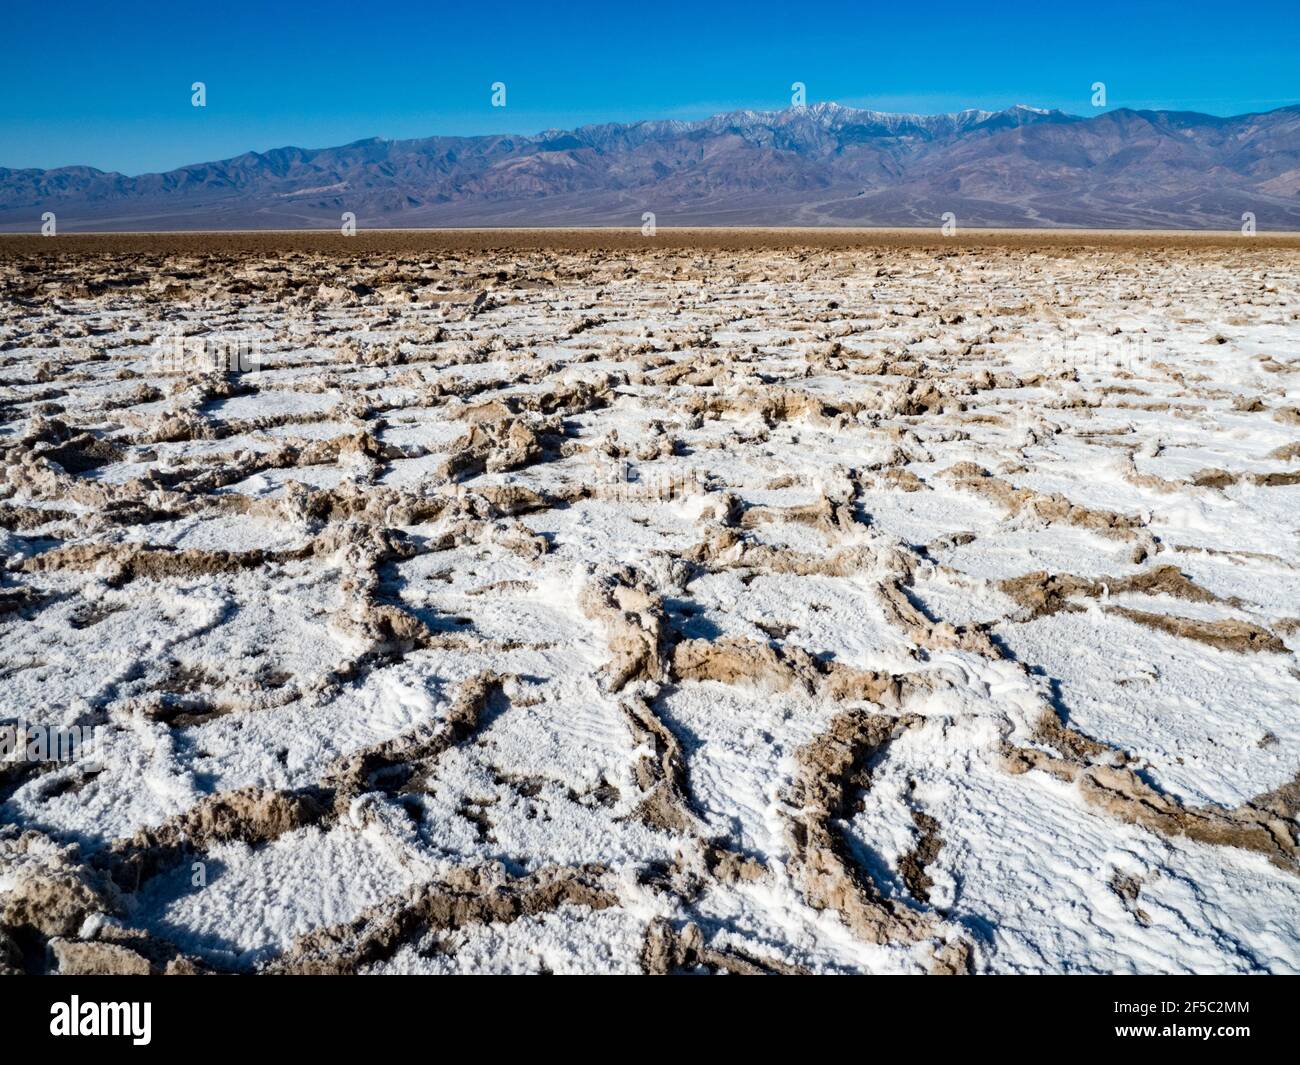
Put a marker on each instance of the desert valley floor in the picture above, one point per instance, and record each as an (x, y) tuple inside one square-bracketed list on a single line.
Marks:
[(733, 602)]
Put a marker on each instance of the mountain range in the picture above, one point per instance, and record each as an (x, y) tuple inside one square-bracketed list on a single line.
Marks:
[(821, 165)]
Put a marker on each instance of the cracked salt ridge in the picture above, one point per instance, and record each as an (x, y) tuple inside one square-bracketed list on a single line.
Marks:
[(257, 900), (738, 744), (819, 614), (1144, 693), (226, 532), (1274, 584), (1211, 910), (285, 747), (572, 940)]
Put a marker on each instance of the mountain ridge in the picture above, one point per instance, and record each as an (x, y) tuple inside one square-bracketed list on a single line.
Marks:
[(823, 164)]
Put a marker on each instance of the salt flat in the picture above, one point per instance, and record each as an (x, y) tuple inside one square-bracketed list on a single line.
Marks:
[(590, 602)]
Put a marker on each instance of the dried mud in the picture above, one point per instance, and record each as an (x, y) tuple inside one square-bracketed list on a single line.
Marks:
[(534, 564)]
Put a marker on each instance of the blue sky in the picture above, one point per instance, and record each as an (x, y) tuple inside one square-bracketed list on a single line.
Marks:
[(108, 83)]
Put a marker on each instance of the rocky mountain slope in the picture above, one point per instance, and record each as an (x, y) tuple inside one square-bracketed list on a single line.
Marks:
[(819, 165)]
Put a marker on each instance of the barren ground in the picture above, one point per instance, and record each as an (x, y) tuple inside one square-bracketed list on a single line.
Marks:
[(579, 601)]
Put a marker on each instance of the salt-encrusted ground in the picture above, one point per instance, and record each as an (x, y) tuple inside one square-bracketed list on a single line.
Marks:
[(912, 607)]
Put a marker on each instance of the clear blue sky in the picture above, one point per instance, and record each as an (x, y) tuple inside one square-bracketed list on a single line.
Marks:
[(108, 83)]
